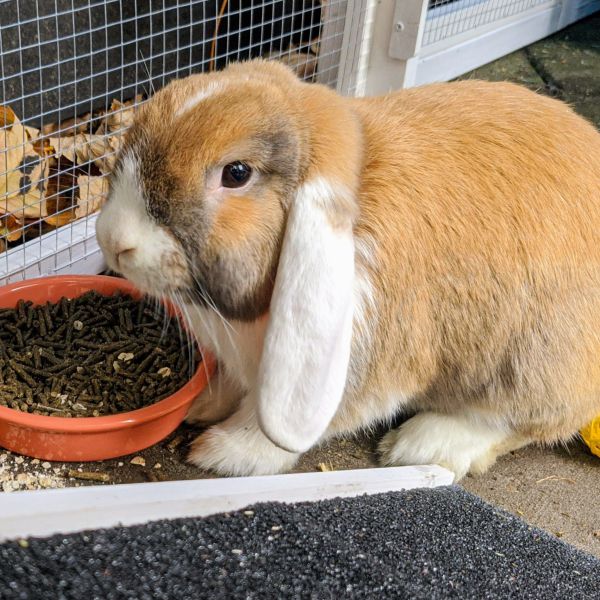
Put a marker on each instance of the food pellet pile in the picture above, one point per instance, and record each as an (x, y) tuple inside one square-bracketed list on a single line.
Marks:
[(90, 356)]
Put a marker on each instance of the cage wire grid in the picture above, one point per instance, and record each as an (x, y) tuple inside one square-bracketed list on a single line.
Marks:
[(449, 18), (72, 73)]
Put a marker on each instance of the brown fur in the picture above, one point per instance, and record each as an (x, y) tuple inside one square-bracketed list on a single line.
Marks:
[(482, 202), (476, 208)]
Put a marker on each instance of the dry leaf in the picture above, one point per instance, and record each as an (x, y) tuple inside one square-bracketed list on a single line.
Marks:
[(21, 182), (63, 146), (88, 148), (7, 116), (43, 148), (119, 117), (102, 150), (41, 178), (59, 203), (32, 132), (58, 219), (92, 194), (12, 202), (68, 127), (85, 148), (11, 228), (14, 146)]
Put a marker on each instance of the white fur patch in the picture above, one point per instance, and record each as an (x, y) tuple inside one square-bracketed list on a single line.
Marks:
[(362, 332), (217, 400), (365, 263), (306, 351), (461, 442), (363, 287), (365, 300), (124, 224), (237, 345), (210, 90), (365, 250), (238, 447)]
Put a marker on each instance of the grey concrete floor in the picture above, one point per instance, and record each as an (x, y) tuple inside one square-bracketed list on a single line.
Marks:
[(557, 489)]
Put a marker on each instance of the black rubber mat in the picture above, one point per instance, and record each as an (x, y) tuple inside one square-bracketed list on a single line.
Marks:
[(438, 543)]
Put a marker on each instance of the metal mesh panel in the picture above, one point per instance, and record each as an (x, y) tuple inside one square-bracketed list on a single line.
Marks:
[(72, 73), (448, 18)]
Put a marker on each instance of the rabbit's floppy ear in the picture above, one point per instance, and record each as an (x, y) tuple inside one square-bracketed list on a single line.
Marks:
[(306, 350)]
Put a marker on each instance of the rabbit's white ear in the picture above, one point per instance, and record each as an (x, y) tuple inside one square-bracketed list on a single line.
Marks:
[(306, 351)]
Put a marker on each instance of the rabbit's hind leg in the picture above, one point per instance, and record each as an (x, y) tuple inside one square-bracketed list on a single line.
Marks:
[(466, 442)]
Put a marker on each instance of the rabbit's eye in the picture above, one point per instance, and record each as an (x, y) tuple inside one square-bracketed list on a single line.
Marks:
[(235, 175)]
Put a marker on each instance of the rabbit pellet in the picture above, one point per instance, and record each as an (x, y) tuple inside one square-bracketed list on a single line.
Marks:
[(90, 356)]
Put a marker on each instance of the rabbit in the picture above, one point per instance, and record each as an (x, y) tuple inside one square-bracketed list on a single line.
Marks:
[(434, 250)]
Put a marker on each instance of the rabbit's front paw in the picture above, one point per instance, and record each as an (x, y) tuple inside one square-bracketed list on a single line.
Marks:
[(216, 402), (238, 447)]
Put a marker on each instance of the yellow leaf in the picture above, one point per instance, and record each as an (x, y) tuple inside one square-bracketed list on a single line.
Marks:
[(92, 194)]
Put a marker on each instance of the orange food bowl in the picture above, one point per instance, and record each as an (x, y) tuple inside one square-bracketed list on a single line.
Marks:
[(91, 438)]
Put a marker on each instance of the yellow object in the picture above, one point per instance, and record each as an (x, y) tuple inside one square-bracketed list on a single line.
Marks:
[(591, 435)]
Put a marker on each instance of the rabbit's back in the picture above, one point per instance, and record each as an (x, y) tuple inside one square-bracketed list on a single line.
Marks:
[(480, 232), (490, 156)]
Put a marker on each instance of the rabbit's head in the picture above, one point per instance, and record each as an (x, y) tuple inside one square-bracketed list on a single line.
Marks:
[(237, 191)]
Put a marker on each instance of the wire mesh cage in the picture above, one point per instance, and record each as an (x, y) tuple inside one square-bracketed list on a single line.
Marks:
[(449, 18), (72, 73)]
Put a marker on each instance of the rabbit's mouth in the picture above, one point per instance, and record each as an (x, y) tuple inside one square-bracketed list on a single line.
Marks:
[(156, 268)]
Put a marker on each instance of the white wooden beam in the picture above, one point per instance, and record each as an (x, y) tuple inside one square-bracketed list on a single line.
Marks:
[(401, 57), (443, 61), (71, 249), (394, 28), (408, 25), (356, 46), (46, 512)]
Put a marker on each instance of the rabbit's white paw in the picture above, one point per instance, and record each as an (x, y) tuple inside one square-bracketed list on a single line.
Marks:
[(238, 447), (460, 443)]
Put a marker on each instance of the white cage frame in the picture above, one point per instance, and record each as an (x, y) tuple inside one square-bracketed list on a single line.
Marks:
[(402, 56)]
